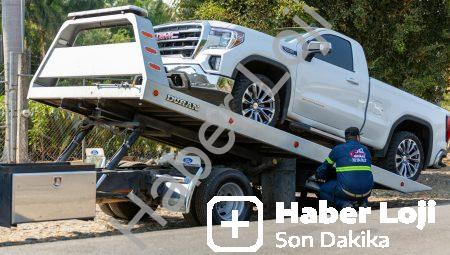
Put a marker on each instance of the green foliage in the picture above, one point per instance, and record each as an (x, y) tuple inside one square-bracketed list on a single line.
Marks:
[(263, 15), (158, 11), (210, 11), (43, 19), (104, 36), (185, 9), (445, 103), (50, 131), (406, 42)]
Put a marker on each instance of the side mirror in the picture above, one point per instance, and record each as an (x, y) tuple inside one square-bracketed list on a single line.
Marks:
[(313, 47)]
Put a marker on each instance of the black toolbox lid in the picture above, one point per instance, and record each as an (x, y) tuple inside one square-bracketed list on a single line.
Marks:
[(44, 167)]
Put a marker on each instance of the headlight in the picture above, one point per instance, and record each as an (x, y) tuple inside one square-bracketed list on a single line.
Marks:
[(220, 38)]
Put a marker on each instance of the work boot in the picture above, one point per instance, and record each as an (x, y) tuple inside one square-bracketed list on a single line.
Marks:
[(352, 204), (364, 203)]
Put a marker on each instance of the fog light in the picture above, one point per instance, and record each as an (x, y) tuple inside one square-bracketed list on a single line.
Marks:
[(214, 62)]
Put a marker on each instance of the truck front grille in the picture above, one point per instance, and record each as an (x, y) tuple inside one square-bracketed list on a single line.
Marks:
[(178, 39)]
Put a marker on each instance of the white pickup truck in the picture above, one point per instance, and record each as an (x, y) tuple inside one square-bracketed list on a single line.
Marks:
[(325, 93)]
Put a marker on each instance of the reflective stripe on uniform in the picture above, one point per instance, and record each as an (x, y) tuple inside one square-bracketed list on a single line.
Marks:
[(352, 168), (348, 193), (330, 161)]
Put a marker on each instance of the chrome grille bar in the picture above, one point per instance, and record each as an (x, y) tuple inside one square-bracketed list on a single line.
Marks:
[(179, 39)]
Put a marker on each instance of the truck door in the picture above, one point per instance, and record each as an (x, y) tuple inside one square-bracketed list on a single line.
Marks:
[(332, 90)]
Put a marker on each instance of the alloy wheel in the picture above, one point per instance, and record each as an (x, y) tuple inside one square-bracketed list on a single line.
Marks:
[(258, 103), (407, 158)]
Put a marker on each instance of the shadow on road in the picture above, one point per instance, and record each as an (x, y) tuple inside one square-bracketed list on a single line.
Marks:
[(145, 225)]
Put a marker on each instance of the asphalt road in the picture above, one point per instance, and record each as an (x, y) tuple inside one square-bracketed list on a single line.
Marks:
[(403, 239)]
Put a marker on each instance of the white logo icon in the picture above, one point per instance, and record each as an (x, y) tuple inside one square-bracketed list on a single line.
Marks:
[(235, 224)]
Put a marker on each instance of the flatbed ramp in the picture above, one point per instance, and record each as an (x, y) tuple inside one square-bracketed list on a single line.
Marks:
[(169, 115)]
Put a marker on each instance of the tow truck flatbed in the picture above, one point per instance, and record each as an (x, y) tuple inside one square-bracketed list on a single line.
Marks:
[(151, 108)]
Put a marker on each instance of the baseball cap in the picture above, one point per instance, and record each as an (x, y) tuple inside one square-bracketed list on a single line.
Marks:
[(352, 131)]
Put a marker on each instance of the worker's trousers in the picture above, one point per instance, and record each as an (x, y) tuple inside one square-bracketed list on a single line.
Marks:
[(333, 193)]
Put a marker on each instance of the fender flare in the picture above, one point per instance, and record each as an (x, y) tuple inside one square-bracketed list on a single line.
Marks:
[(383, 152), (287, 90)]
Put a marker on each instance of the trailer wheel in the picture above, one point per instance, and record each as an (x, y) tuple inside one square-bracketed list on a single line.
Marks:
[(250, 100), (107, 210), (223, 182), (405, 155)]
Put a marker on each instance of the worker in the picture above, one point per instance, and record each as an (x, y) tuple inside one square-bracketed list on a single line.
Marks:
[(350, 182)]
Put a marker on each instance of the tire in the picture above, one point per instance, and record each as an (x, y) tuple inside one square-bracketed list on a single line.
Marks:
[(107, 210), (127, 210), (394, 156), (223, 181), (124, 210), (191, 217), (252, 106)]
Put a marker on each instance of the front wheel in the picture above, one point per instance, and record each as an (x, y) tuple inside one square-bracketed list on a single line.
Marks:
[(405, 155), (256, 101)]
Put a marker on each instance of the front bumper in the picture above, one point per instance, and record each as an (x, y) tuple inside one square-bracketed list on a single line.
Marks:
[(198, 79)]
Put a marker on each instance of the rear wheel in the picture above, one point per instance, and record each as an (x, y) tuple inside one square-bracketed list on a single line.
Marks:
[(255, 101), (123, 210), (223, 182), (405, 155)]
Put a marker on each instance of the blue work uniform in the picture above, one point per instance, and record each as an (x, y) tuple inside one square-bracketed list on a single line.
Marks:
[(351, 179)]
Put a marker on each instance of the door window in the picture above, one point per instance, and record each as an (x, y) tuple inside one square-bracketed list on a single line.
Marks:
[(341, 52)]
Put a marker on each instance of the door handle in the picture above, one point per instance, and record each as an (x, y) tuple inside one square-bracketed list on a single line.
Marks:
[(353, 81)]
